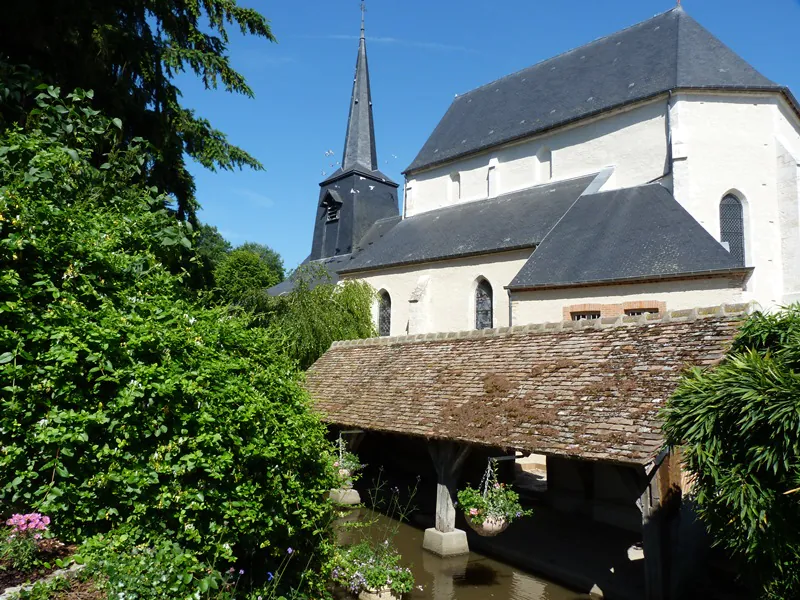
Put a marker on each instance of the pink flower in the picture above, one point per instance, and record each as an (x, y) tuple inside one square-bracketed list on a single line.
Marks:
[(336, 464), (37, 536), (473, 511)]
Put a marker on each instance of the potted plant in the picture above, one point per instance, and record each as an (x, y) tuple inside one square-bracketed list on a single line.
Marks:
[(372, 571), (347, 465), (490, 510)]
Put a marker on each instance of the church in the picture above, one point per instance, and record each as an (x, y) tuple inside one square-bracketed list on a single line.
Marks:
[(572, 237), (649, 170)]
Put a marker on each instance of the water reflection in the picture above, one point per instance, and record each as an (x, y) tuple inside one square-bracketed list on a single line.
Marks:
[(468, 577)]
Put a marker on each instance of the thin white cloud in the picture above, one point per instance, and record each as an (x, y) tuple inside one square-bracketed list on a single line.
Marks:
[(255, 198), (395, 41)]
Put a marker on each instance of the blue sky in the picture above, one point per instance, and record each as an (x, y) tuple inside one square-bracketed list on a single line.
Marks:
[(421, 53)]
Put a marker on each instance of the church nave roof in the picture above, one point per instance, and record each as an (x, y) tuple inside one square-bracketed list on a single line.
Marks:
[(670, 51), (516, 220), (624, 235)]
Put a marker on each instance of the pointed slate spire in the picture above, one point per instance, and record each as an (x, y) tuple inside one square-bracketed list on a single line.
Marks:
[(359, 144)]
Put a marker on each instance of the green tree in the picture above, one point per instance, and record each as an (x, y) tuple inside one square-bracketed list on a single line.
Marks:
[(268, 256), (210, 249), (243, 278), (317, 313), (739, 427), (130, 53), (126, 402)]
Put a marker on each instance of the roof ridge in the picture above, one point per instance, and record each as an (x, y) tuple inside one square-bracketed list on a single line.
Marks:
[(723, 311), (565, 52), (505, 195)]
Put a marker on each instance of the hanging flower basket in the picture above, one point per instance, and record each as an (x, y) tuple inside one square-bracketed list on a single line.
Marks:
[(490, 527), (347, 465), (492, 508)]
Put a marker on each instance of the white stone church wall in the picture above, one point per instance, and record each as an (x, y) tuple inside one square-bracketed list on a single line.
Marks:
[(440, 296), (546, 306), (728, 143), (787, 156), (632, 140)]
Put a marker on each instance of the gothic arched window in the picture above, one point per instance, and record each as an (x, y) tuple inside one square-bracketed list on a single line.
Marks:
[(384, 314), (731, 226), (483, 305)]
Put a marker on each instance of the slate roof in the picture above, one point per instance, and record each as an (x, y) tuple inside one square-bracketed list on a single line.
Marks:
[(584, 390), (621, 235), (511, 221), (667, 52)]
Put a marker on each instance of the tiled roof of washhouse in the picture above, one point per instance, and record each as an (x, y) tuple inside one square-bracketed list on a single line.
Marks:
[(589, 390)]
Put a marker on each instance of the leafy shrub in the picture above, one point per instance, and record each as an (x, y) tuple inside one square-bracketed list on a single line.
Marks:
[(737, 424), (158, 569), (126, 400)]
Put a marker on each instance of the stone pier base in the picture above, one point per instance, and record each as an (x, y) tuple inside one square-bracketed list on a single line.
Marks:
[(452, 543)]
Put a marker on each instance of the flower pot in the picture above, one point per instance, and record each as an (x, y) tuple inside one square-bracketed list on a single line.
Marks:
[(490, 527), (381, 594)]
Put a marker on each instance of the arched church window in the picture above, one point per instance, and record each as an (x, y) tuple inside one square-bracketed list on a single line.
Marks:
[(731, 226), (484, 318), (384, 314)]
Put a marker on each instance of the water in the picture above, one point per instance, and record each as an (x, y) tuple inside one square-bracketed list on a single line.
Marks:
[(469, 577)]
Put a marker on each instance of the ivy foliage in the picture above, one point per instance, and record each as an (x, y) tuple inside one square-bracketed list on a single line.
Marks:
[(739, 427), (126, 401), (130, 53)]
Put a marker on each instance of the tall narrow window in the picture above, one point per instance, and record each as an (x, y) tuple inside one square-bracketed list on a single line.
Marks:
[(544, 158), (455, 187), (384, 314), (483, 305), (731, 226), (491, 182)]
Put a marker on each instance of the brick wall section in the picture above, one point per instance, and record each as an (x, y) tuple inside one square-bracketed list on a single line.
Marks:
[(613, 310), (588, 389)]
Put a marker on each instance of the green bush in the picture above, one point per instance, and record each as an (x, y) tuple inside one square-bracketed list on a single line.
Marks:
[(152, 571), (738, 425), (125, 399)]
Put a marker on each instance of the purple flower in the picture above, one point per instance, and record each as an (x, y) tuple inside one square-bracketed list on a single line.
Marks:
[(241, 571), (289, 550), (270, 576)]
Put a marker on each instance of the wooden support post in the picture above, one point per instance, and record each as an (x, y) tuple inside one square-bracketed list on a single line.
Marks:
[(660, 504), (448, 458), (445, 540)]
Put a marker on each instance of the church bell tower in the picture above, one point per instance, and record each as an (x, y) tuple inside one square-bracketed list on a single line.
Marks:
[(357, 194)]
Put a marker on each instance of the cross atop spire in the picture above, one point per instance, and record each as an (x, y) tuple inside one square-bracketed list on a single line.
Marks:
[(359, 144)]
